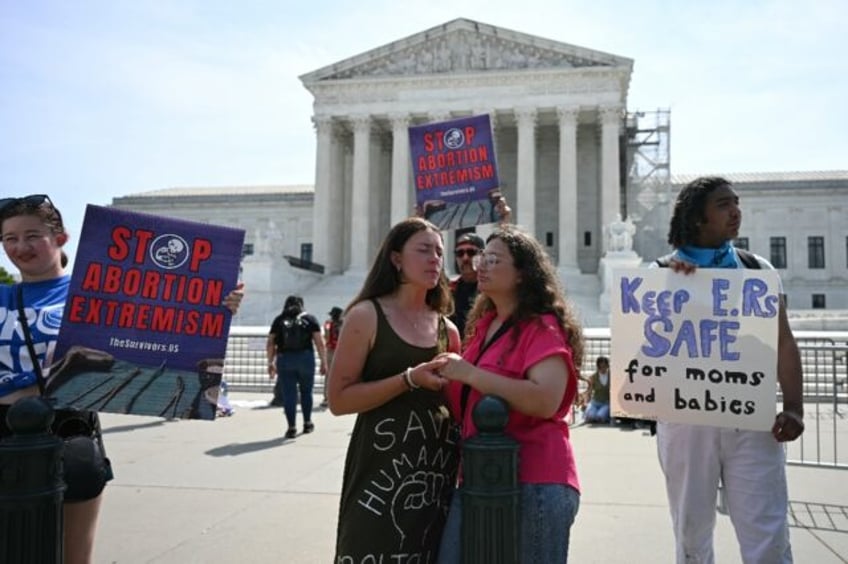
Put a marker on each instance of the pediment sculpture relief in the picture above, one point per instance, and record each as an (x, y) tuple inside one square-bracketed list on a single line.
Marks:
[(464, 51)]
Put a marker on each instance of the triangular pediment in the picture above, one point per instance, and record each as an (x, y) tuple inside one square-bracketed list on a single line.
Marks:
[(462, 46)]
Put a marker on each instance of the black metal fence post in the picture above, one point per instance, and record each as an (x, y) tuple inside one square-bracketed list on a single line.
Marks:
[(31, 486), (490, 511)]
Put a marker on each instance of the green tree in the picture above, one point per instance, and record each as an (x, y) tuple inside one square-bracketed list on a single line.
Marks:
[(5, 277)]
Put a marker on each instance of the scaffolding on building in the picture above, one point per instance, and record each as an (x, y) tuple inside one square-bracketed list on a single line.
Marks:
[(648, 179)]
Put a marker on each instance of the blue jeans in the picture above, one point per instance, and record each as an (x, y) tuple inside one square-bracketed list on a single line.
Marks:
[(597, 411), (547, 512), (296, 370)]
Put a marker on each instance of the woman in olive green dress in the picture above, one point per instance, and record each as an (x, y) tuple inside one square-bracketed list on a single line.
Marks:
[(402, 458)]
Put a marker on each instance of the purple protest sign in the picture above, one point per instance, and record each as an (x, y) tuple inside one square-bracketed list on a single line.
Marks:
[(455, 172), (144, 329)]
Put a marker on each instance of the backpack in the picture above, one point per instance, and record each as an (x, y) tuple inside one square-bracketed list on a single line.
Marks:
[(749, 260), (295, 334)]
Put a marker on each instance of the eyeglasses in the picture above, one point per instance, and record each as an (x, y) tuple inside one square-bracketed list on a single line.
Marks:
[(490, 260), (33, 201), (465, 252)]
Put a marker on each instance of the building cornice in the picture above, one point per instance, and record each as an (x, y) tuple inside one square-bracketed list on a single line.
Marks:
[(543, 87), (780, 178)]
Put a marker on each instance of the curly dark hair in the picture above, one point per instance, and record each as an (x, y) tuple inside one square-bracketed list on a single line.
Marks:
[(689, 209), (383, 279), (540, 290)]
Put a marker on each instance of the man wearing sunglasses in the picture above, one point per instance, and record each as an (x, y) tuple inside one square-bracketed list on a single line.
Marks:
[(467, 252)]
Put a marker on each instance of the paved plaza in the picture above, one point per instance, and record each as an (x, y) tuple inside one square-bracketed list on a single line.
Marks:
[(234, 490)]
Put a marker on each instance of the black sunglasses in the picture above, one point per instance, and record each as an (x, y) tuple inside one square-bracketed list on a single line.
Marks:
[(33, 201), (465, 252)]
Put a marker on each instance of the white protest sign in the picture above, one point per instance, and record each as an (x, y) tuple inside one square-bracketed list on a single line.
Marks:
[(698, 348)]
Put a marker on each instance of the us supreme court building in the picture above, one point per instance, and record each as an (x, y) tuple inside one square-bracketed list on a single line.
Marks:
[(571, 158), (556, 111)]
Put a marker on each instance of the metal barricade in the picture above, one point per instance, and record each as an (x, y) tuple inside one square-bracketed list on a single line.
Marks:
[(823, 356), (825, 439)]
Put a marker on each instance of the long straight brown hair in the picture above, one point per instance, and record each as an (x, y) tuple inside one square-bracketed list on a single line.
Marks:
[(383, 278)]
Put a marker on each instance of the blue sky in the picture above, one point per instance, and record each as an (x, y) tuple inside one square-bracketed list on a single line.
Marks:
[(100, 99)]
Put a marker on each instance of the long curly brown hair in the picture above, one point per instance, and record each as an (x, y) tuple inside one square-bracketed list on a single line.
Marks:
[(540, 290)]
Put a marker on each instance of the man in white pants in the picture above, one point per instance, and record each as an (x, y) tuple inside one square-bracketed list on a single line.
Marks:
[(750, 465)]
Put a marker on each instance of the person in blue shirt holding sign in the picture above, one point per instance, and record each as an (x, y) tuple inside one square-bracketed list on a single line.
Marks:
[(33, 236), (750, 465)]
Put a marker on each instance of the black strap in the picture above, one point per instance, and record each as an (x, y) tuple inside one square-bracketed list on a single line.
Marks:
[(36, 366), (664, 260), (749, 260), (94, 421), (443, 339), (466, 389)]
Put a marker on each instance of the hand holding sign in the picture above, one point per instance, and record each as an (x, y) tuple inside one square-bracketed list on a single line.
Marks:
[(455, 172)]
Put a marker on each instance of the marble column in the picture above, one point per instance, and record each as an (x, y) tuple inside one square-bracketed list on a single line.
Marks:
[(610, 177), (401, 206), (321, 217), (567, 223), (344, 160), (360, 205), (336, 204), (526, 182)]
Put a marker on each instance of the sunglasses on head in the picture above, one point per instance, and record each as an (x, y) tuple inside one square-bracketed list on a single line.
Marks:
[(465, 252), (32, 201)]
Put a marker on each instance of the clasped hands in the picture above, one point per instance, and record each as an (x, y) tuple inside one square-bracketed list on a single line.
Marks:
[(444, 367)]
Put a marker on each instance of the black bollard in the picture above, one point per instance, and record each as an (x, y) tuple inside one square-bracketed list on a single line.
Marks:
[(31, 486), (490, 512)]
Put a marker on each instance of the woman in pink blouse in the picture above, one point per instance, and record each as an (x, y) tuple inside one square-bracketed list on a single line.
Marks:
[(523, 344)]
